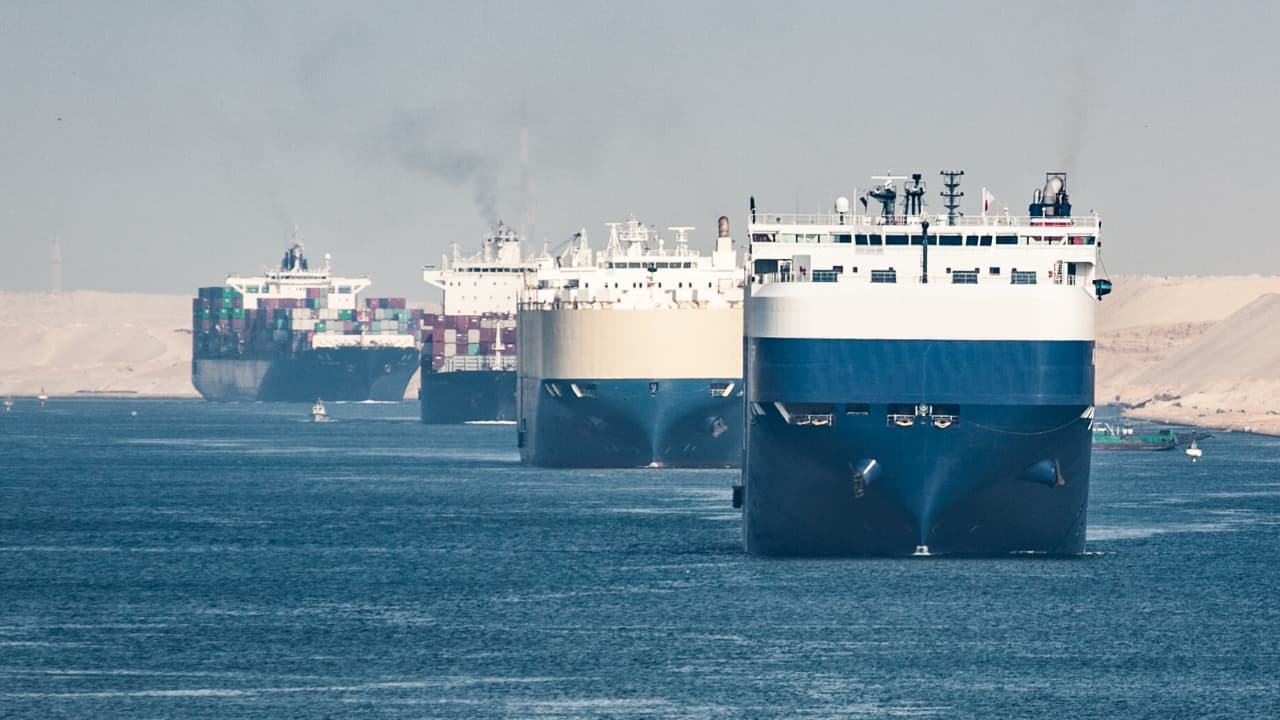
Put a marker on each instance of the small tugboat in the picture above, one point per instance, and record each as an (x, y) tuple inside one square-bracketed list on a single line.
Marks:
[(1194, 452), (43, 397), (318, 413)]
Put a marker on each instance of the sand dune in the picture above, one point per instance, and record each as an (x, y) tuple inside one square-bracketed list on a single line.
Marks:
[(1193, 350), (86, 341)]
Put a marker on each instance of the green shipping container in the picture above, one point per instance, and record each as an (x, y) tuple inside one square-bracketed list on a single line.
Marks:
[(320, 327), (473, 348), (346, 314)]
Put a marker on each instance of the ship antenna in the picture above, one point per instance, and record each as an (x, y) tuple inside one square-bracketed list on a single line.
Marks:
[(682, 238), (951, 198)]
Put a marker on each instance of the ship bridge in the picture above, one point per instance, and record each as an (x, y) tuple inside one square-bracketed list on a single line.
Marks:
[(296, 280), (486, 282), (638, 270), (904, 244)]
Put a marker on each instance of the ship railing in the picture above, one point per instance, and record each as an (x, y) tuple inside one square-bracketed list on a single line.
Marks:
[(719, 302), (936, 223), (477, 363)]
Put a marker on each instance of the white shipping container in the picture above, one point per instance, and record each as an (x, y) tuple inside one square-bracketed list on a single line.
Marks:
[(473, 335), (448, 350), (450, 336)]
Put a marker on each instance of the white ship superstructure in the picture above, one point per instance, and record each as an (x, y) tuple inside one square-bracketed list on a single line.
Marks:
[(632, 356), (469, 356)]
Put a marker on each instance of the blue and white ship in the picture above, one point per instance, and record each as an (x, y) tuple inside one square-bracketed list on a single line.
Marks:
[(632, 357), (916, 384)]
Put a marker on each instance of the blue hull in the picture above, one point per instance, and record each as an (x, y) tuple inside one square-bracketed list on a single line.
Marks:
[(624, 424), (459, 397), (965, 447)]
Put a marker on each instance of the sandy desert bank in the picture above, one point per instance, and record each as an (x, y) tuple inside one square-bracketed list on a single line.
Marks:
[(1184, 350)]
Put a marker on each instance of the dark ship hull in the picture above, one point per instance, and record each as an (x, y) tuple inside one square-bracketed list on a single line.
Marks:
[(632, 423), (467, 396), (337, 374)]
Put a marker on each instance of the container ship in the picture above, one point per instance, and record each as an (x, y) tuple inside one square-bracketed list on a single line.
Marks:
[(469, 351), (296, 334), (920, 385), (632, 358)]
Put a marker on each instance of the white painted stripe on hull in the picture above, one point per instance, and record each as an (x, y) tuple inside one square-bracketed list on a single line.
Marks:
[(888, 311)]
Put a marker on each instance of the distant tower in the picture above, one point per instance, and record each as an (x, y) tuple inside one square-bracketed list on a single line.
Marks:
[(55, 268), (527, 219)]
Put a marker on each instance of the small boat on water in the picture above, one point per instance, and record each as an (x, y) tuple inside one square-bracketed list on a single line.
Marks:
[(8, 404), (318, 413), (1194, 452), (1126, 437), (43, 397)]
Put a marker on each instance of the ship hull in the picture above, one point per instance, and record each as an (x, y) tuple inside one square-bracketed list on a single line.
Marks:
[(632, 423), (465, 396), (1006, 469), (337, 374)]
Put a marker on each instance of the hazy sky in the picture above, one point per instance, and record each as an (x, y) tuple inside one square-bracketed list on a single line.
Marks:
[(167, 144)]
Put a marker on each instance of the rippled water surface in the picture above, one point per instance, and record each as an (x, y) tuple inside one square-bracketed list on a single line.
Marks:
[(233, 561)]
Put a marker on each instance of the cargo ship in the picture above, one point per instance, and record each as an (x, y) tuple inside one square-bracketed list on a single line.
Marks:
[(920, 385), (469, 350), (632, 358), (297, 334)]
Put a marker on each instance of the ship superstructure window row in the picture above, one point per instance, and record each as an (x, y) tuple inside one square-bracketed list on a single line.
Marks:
[(945, 239), (1022, 277), (884, 276)]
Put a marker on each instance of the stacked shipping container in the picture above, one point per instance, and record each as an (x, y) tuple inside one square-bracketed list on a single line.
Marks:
[(224, 328), (456, 342)]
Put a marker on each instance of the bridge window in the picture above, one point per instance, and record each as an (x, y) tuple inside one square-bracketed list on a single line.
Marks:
[(964, 277), (884, 276), (824, 276), (1006, 239), (895, 240), (993, 270), (948, 239), (971, 240), (842, 238), (1022, 277)]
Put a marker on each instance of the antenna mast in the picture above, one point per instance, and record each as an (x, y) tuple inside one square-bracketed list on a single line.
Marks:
[(55, 268), (951, 198)]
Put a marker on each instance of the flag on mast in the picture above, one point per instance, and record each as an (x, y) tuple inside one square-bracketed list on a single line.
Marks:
[(987, 199)]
